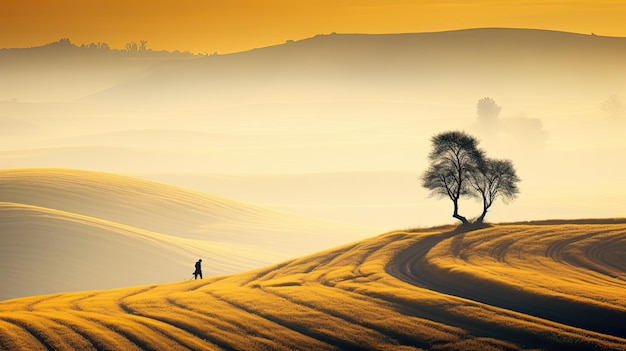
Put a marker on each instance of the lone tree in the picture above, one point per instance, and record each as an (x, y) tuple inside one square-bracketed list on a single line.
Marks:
[(454, 156), (458, 168), (493, 179)]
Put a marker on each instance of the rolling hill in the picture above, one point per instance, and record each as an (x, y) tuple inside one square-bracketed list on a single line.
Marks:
[(527, 286), (68, 230)]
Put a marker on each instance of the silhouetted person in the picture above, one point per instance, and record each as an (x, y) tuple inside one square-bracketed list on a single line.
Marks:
[(198, 271)]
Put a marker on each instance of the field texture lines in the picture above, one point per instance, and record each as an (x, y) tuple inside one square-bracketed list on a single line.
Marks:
[(505, 287)]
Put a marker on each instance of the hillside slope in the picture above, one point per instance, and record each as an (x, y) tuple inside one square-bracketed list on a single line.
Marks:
[(489, 289), (67, 230)]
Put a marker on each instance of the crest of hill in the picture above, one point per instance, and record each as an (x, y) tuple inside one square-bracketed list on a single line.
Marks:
[(505, 287), (78, 230)]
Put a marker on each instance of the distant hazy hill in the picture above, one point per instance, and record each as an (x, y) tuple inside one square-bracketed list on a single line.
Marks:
[(67, 230), (556, 286), (62, 71), (339, 66), (385, 67)]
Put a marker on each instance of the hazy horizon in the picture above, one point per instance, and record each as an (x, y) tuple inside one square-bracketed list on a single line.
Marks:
[(336, 126)]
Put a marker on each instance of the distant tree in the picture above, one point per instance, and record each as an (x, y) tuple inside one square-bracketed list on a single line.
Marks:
[(454, 156), (131, 47), (96, 46), (493, 179), (487, 110), (65, 42), (613, 106)]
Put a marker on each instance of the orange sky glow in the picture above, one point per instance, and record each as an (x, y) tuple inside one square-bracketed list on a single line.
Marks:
[(207, 26)]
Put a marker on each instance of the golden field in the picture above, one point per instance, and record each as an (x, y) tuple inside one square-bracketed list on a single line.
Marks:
[(539, 286)]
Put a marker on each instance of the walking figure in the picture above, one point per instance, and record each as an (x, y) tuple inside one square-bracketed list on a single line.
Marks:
[(198, 271)]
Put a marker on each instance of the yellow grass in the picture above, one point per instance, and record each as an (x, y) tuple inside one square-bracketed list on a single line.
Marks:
[(507, 287)]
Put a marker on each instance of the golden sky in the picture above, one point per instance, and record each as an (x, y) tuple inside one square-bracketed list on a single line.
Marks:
[(235, 25)]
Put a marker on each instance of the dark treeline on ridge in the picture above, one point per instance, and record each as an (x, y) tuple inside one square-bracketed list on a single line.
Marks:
[(64, 45)]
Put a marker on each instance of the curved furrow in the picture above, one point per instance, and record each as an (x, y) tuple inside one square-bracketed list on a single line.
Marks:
[(138, 329), (89, 326), (87, 329), (353, 260), (304, 321), (139, 333), (121, 301), (349, 314), (49, 334), (263, 273), (75, 304), (603, 253), (16, 336), (180, 338), (574, 265), (417, 265), (501, 249), (293, 332), (612, 256), (205, 332), (368, 251), (558, 250), (258, 332), (548, 262), (100, 320), (33, 303), (408, 263), (304, 266), (366, 311), (492, 324)]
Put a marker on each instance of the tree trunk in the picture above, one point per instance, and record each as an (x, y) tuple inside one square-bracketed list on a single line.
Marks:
[(482, 216), (486, 206), (457, 215)]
